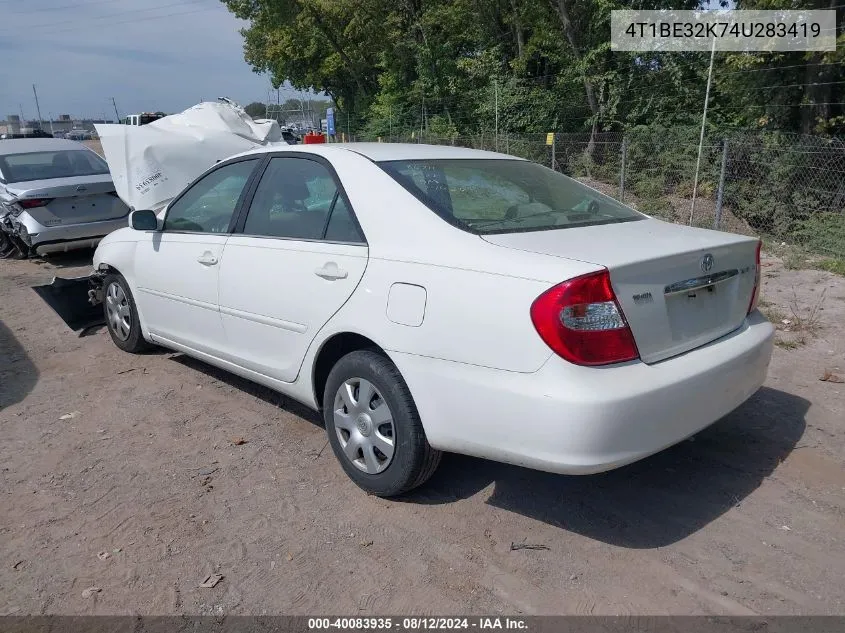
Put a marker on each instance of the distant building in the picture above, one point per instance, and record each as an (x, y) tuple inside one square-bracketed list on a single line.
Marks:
[(65, 123)]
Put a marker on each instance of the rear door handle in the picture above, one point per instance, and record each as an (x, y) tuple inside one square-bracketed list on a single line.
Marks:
[(331, 270), (207, 259)]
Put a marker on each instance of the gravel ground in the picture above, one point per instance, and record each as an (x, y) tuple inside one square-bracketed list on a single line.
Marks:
[(144, 489)]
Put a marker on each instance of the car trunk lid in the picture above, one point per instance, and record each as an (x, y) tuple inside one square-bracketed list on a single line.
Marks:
[(71, 200), (679, 287)]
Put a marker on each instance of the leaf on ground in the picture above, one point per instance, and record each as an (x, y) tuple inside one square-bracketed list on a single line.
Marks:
[(210, 581)]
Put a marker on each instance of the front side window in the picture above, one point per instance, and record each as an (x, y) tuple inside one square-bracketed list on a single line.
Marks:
[(297, 198), (208, 206), (503, 196), (53, 164)]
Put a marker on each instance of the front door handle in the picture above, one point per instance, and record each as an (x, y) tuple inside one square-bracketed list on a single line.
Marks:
[(331, 270), (207, 259)]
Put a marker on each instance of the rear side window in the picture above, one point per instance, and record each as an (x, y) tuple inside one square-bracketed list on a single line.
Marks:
[(297, 198), (504, 196), (342, 226), (48, 165)]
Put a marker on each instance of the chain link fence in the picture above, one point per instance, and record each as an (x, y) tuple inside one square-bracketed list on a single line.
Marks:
[(786, 188)]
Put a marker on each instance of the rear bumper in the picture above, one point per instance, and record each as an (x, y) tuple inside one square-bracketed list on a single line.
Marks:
[(49, 239), (580, 420)]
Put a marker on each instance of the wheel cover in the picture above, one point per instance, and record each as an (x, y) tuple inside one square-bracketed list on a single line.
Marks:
[(364, 426), (118, 311)]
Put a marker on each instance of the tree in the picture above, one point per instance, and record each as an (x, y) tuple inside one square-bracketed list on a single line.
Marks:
[(256, 110), (393, 66)]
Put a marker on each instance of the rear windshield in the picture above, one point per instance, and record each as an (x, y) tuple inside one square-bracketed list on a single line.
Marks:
[(46, 165), (505, 196)]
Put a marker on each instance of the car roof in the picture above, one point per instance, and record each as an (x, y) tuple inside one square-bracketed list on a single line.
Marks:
[(27, 145), (390, 151)]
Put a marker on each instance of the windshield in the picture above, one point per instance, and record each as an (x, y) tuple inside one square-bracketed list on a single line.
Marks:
[(504, 196), (46, 165)]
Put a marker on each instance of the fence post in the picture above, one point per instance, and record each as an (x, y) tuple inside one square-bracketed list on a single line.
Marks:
[(554, 140), (622, 169), (720, 193)]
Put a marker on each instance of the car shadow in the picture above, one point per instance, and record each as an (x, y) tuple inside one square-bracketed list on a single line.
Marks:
[(71, 259), (273, 398), (652, 503), (18, 374)]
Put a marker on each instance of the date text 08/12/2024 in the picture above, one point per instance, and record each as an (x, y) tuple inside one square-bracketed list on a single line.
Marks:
[(416, 623)]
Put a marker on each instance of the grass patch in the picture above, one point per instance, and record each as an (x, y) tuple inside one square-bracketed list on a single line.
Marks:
[(795, 260), (787, 345), (836, 266), (806, 320), (797, 327), (774, 314)]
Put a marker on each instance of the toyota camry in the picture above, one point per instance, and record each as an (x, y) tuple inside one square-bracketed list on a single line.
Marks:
[(431, 298)]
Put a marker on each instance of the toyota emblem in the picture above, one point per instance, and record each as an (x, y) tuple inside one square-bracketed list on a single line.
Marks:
[(707, 263)]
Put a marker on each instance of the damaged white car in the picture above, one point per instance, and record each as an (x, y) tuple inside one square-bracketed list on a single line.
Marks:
[(55, 195), (431, 299)]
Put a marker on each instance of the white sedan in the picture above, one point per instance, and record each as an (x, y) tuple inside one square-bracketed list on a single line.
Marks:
[(431, 299)]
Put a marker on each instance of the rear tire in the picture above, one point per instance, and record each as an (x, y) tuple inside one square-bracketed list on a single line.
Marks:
[(121, 315), (373, 426)]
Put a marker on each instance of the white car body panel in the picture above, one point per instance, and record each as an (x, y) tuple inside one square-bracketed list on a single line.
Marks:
[(270, 330), (581, 420), (178, 291), (451, 309)]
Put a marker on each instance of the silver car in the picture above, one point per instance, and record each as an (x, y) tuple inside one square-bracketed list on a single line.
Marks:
[(55, 195)]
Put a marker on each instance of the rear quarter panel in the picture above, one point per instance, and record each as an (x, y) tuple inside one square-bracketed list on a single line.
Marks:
[(471, 317)]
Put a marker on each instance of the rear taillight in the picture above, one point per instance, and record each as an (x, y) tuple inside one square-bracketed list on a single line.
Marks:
[(31, 203), (755, 294), (582, 322)]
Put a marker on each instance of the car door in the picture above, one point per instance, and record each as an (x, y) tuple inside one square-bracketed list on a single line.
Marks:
[(294, 259), (177, 268)]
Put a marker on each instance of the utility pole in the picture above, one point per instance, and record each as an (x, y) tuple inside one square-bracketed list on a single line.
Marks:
[(422, 117), (701, 138), (496, 101), (116, 115), (37, 107), (50, 114), (310, 110)]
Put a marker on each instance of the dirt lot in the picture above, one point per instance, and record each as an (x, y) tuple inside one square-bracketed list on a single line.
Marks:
[(747, 518)]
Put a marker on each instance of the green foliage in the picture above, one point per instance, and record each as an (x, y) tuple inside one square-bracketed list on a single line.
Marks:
[(469, 72), (836, 266), (545, 65), (823, 233), (256, 110)]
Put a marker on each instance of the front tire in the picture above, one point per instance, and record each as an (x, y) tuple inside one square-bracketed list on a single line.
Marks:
[(122, 315), (374, 427)]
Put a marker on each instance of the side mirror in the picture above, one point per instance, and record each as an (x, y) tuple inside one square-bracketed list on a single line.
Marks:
[(143, 220)]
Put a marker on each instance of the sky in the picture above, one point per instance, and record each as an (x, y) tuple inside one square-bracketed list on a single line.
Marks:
[(149, 55)]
